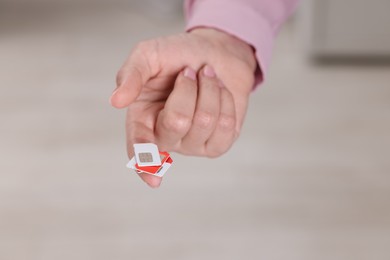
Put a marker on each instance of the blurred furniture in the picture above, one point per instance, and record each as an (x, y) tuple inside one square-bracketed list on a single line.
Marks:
[(347, 28)]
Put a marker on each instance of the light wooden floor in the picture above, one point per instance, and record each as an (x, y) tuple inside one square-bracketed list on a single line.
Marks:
[(308, 179)]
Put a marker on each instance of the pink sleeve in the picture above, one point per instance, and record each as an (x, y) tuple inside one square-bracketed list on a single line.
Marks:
[(253, 21)]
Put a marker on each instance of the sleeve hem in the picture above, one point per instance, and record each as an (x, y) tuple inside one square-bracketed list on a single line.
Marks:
[(261, 39)]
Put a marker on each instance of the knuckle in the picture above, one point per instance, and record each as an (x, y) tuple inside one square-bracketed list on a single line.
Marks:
[(142, 46), (139, 51), (226, 123), (145, 47), (147, 53), (177, 123), (203, 119)]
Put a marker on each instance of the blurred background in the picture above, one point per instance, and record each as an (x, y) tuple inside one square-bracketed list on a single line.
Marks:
[(309, 177)]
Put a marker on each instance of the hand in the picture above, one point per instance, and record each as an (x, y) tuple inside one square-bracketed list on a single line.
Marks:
[(170, 106)]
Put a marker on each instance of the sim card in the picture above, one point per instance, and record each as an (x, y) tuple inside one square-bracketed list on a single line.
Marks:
[(146, 160), (164, 156), (158, 171), (147, 154), (164, 168)]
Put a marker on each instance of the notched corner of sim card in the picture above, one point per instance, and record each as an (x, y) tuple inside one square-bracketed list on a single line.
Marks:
[(131, 164)]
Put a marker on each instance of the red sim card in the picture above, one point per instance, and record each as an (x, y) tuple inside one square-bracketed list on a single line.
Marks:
[(165, 157)]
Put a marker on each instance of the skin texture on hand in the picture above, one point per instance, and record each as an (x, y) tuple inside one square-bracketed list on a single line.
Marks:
[(187, 93)]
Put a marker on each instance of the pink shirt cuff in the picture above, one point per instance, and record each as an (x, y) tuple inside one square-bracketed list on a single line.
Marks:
[(239, 20)]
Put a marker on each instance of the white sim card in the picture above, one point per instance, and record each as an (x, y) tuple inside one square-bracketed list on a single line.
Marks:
[(147, 154)]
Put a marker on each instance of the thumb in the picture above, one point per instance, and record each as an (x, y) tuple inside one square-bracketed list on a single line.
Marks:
[(133, 75)]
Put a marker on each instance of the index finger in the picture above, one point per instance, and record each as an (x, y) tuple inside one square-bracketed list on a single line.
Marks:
[(133, 75)]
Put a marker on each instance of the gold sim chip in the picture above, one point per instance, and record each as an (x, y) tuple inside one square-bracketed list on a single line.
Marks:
[(145, 157)]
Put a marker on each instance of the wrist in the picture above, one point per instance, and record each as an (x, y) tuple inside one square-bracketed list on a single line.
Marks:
[(230, 43)]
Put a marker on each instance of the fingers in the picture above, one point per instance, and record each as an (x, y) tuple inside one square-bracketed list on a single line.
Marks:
[(206, 113), (129, 88), (134, 74), (175, 119), (225, 131), (199, 116)]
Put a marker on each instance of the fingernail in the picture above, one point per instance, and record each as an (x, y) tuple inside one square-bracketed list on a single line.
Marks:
[(112, 95), (208, 71), (190, 73), (115, 90)]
